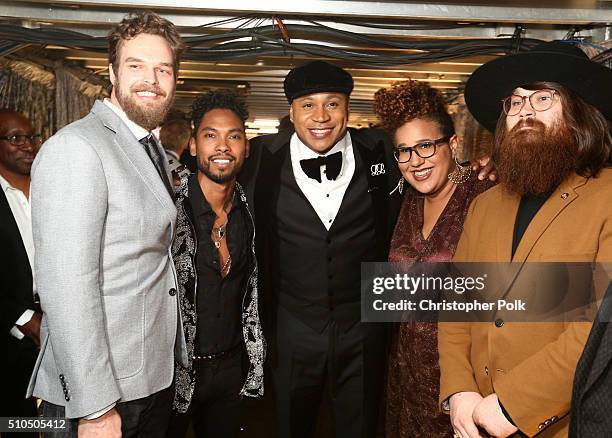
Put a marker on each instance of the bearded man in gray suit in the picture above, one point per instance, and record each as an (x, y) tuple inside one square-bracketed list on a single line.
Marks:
[(103, 222)]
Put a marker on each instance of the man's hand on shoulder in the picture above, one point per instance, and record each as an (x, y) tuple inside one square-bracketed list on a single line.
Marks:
[(462, 406), (485, 168), (105, 426), (488, 415)]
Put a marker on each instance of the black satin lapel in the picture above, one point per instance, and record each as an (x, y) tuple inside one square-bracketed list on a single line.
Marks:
[(372, 161), (267, 182)]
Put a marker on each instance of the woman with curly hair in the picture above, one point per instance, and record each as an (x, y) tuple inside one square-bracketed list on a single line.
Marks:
[(434, 207)]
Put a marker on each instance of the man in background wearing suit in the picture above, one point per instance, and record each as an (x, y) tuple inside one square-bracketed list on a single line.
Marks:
[(322, 206), (174, 137), (19, 314), (103, 222)]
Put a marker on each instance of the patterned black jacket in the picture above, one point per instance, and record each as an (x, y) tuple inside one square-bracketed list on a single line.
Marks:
[(184, 254)]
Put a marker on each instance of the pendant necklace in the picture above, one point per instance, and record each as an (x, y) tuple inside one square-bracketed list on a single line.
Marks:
[(218, 234)]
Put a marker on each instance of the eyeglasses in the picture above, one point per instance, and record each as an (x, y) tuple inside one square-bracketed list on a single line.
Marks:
[(541, 100), (425, 149), (20, 139)]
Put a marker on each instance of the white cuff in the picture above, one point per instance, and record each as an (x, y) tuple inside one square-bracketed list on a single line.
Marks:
[(23, 319), (99, 413)]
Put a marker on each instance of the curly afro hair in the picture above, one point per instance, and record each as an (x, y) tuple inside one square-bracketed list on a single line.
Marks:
[(408, 100), (220, 99)]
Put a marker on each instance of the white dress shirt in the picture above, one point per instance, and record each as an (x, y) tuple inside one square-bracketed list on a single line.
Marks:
[(19, 204), (325, 196), (138, 131)]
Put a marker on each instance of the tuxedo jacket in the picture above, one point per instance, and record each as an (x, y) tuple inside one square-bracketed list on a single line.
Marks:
[(268, 156), (530, 366), (103, 223)]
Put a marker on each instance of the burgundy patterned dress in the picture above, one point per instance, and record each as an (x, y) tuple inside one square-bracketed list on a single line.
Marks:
[(413, 372)]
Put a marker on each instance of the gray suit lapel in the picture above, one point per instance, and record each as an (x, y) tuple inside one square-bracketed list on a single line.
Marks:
[(135, 153)]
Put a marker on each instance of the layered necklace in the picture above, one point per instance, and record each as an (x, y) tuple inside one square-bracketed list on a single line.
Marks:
[(218, 234)]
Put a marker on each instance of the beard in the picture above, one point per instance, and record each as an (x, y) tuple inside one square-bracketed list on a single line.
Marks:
[(204, 166), (535, 161), (147, 115)]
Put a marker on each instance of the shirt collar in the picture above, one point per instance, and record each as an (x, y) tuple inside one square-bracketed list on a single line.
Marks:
[(198, 201), (6, 186), (304, 152), (138, 131)]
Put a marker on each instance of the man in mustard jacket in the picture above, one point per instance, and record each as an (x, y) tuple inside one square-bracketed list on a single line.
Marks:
[(550, 109)]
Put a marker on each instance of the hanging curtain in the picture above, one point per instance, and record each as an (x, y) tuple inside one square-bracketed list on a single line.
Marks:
[(50, 99), (73, 97), (476, 141), (29, 89)]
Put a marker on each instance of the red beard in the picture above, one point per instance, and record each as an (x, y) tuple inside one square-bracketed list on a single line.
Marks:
[(148, 116), (535, 161)]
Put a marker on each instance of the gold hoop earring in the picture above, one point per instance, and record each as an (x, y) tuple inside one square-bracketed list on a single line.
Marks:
[(460, 174)]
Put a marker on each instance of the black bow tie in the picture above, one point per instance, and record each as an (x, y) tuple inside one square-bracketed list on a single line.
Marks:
[(332, 163)]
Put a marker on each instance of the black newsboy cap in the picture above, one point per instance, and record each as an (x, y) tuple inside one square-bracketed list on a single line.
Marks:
[(317, 77)]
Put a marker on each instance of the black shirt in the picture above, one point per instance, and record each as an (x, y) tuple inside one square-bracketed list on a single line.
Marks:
[(219, 300), (528, 208)]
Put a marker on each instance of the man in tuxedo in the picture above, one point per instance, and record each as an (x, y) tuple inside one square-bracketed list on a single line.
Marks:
[(322, 206), (20, 315), (103, 222)]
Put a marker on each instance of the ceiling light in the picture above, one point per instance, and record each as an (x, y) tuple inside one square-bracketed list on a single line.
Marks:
[(264, 122)]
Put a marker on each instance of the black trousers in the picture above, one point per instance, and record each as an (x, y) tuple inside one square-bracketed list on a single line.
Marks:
[(216, 402), (354, 362), (16, 368), (145, 417)]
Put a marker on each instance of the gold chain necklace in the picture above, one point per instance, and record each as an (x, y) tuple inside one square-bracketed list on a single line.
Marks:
[(226, 266)]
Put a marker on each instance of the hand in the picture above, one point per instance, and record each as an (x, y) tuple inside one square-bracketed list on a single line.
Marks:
[(488, 415), (176, 180), (486, 168), (32, 328), (105, 426), (462, 405)]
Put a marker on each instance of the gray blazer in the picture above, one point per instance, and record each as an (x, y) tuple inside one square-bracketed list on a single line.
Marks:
[(103, 224)]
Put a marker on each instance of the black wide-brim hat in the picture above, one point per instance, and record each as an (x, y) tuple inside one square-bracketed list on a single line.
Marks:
[(317, 77), (554, 61)]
